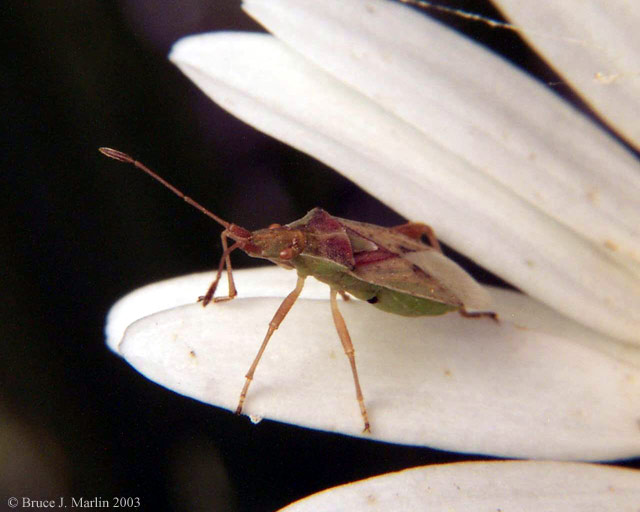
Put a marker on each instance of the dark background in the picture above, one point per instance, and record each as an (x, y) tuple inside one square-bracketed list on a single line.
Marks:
[(79, 231)]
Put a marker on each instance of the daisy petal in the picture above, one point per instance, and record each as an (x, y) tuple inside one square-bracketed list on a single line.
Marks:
[(467, 385), (183, 290), (509, 485), (265, 83), (594, 45), (473, 104)]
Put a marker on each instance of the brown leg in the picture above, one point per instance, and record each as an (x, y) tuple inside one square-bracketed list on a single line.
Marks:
[(225, 261), (344, 295), (479, 314), (341, 327), (273, 325), (416, 230)]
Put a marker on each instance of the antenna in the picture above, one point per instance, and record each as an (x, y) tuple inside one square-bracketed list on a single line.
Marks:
[(123, 157)]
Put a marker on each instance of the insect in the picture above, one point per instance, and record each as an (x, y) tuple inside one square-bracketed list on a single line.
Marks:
[(391, 268)]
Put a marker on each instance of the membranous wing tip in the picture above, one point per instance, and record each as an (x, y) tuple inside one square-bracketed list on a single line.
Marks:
[(473, 296)]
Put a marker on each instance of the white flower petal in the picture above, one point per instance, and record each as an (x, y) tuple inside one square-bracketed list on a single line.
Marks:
[(474, 104), (510, 485), (595, 46), (459, 384), (261, 81), (183, 290)]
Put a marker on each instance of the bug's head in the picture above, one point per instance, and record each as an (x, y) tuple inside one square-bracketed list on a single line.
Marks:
[(277, 243)]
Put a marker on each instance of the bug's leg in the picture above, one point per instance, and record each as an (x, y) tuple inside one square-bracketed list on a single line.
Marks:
[(225, 261), (479, 314), (416, 230), (344, 295), (273, 325), (341, 327)]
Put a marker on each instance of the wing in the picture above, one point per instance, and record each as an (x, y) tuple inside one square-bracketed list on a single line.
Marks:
[(453, 278), (388, 258), (367, 237), (399, 274)]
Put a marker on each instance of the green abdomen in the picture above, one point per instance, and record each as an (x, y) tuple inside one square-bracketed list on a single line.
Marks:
[(404, 304), (386, 299)]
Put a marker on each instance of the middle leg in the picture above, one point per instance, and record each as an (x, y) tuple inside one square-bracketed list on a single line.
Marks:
[(341, 327), (277, 319)]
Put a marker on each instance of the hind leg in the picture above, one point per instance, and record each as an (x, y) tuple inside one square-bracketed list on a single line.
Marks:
[(416, 230), (479, 314)]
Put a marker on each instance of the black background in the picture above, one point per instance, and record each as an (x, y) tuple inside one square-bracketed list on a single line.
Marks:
[(79, 231)]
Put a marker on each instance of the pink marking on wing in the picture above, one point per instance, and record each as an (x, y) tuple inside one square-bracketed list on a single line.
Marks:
[(364, 258), (337, 248)]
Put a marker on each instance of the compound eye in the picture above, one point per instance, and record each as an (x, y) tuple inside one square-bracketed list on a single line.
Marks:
[(274, 226), (287, 254)]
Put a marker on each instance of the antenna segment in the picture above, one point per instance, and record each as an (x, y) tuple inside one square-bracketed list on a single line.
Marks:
[(123, 157)]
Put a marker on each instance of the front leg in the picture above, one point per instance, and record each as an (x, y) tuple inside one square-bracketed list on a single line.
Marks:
[(225, 261)]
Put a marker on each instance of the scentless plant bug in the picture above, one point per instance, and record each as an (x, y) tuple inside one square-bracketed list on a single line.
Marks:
[(392, 269)]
